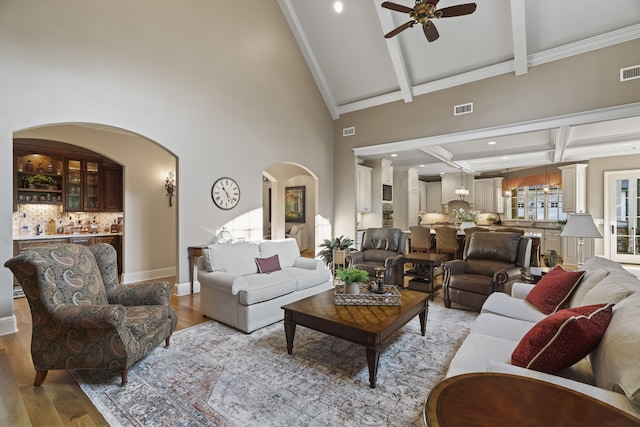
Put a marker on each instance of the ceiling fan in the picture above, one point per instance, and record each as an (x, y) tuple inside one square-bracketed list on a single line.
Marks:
[(423, 12)]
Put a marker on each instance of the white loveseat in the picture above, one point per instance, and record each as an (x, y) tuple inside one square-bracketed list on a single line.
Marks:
[(611, 372), (234, 292)]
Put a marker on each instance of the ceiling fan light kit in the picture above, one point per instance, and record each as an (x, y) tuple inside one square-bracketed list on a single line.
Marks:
[(423, 12)]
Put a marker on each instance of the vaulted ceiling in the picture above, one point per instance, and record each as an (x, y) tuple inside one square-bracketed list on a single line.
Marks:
[(355, 68)]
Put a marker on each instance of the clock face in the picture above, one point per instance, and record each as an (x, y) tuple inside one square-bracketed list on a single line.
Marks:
[(225, 193)]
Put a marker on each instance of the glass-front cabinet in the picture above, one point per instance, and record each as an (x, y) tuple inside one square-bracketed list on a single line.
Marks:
[(38, 179), (83, 185)]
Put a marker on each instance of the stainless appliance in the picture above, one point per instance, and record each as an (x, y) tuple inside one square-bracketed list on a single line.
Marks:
[(387, 215), (387, 193)]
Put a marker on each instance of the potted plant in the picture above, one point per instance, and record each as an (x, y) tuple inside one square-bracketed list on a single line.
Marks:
[(329, 245), (466, 218), (351, 277)]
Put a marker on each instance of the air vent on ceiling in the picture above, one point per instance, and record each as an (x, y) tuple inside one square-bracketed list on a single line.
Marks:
[(349, 131), (463, 109), (630, 73)]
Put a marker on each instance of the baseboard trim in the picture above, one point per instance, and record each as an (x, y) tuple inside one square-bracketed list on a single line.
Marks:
[(8, 325), (149, 275), (185, 288)]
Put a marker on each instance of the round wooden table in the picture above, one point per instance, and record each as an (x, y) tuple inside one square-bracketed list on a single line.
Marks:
[(495, 399)]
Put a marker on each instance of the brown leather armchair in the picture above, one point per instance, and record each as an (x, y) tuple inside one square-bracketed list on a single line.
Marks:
[(381, 247), (491, 261)]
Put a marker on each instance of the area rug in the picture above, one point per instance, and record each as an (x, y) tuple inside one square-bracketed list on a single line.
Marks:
[(213, 375)]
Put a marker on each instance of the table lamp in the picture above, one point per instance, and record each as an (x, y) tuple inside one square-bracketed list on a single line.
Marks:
[(580, 225)]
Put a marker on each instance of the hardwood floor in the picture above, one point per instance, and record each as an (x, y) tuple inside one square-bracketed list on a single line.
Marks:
[(59, 401)]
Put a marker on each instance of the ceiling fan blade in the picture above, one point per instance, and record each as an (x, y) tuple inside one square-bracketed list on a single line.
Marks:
[(396, 7), (400, 29), (461, 9), (430, 31)]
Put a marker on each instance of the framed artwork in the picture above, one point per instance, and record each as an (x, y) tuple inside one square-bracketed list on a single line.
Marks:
[(294, 204)]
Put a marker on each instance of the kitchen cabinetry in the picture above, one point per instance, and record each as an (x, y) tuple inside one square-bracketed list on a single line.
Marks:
[(422, 190), (488, 195), (387, 172), (112, 188), (434, 196), (363, 183), (37, 179), (574, 188), (451, 181), (50, 172), (83, 185), (552, 241)]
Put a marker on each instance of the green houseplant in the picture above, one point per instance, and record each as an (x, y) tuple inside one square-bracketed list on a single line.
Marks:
[(351, 278), (329, 245)]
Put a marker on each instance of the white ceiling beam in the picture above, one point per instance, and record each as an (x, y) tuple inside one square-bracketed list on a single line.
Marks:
[(561, 137), (397, 59), (312, 62), (519, 31)]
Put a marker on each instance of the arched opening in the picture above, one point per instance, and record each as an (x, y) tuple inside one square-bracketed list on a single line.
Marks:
[(290, 204), (150, 224)]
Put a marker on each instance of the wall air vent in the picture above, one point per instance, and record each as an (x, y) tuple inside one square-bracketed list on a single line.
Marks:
[(349, 131), (630, 73), (463, 109)]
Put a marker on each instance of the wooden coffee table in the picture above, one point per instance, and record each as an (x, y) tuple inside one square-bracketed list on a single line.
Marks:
[(370, 326)]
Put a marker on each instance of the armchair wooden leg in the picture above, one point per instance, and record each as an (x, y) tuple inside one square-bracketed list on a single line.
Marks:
[(40, 376), (123, 374)]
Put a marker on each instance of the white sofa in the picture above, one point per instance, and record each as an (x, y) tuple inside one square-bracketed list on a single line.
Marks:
[(233, 291), (300, 233), (611, 372)]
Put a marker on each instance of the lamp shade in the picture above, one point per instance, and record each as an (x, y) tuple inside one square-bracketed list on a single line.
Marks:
[(580, 225)]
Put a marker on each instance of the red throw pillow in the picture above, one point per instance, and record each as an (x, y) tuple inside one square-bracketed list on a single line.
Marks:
[(563, 338), (553, 291), (267, 265)]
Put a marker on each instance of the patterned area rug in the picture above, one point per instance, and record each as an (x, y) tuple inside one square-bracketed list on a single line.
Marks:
[(213, 375)]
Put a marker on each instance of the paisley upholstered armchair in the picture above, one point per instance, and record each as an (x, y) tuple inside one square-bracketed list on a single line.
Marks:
[(82, 317)]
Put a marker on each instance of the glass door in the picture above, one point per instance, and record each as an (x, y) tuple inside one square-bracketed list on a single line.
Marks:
[(622, 238), (92, 188), (74, 194)]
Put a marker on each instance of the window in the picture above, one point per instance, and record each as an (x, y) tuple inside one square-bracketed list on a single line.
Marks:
[(534, 204)]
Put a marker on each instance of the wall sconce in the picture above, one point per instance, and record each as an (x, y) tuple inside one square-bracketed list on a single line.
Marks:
[(170, 186)]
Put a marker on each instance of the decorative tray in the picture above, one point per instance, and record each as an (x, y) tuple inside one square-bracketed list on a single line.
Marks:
[(391, 296)]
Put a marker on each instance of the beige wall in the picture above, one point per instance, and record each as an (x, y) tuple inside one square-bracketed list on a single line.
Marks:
[(225, 97), (582, 83)]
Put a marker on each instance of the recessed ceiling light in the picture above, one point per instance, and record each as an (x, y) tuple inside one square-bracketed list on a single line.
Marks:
[(421, 166), (504, 157), (337, 6), (394, 155), (492, 143), (441, 173)]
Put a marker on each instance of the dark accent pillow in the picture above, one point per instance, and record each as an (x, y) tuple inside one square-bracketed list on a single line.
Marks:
[(267, 265), (563, 338), (555, 288)]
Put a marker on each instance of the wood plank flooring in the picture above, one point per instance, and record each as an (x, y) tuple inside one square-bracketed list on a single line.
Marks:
[(59, 401)]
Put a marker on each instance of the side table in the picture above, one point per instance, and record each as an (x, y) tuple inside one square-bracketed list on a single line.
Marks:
[(424, 272), (195, 252), (497, 399)]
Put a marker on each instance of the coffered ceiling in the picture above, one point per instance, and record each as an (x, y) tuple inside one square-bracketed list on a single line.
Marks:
[(355, 67)]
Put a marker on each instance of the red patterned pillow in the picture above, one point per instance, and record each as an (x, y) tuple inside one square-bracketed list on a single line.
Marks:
[(553, 291), (563, 338), (267, 265)]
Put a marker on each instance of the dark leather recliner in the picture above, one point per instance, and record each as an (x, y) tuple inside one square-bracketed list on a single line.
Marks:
[(491, 260), (381, 247)]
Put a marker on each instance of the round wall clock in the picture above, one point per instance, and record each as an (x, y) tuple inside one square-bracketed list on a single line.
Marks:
[(225, 193)]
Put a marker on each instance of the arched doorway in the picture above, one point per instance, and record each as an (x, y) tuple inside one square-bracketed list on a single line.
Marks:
[(150, 224), (290, 204)]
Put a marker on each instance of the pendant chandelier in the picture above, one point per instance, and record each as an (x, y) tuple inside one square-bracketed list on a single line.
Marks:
[(461, 191)]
